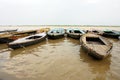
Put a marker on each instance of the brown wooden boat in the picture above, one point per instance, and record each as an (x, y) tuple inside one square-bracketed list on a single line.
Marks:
[(4, 38), (11, 36), (43, 30), (21, 34), (96, 45)]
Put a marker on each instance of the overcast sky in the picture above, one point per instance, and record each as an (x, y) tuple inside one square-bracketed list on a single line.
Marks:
[(59, 12)]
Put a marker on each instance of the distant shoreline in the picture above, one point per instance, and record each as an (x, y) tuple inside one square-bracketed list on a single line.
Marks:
[(83, 27), (60, 25)]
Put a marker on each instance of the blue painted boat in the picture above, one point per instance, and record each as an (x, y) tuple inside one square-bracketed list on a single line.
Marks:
[(74, 33), (27, 41), (56, 33)]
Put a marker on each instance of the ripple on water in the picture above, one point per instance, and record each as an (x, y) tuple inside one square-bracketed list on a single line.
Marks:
[(61, 59)]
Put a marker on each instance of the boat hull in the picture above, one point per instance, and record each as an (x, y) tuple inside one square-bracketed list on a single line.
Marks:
[(95, 54), (55, 36), (75, 36), (14, 30), (111, 34), (5, 40)]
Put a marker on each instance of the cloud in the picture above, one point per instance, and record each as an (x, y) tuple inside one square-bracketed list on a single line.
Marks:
[(92, 1), (60, 12)]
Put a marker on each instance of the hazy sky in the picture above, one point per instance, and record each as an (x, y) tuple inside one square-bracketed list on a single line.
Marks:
[(53, 12)]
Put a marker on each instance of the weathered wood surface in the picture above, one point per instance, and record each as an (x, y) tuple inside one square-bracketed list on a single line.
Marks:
[(101, 50)]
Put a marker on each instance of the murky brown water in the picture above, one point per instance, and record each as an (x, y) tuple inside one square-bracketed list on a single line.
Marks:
[(61, 59)]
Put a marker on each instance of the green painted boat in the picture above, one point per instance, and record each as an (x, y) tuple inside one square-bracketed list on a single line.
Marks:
[(74, 33), (111, 33), (56, 33)]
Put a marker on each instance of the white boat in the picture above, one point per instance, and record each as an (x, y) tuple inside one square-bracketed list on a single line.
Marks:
[(26, 41)]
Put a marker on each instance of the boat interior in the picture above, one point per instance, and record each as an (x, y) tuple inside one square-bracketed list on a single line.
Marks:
[(94, 40), (34, 37), (109, 32), (70, 31), (95, 31), (77, 31)]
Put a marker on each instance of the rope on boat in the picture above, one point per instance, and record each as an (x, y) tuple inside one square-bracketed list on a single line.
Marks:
[(4, 50), (22, 46)]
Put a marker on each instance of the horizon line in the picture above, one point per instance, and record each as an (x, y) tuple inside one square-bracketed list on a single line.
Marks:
[(62, 25)]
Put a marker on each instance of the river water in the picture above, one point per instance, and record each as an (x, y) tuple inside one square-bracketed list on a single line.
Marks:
[(61, 59)]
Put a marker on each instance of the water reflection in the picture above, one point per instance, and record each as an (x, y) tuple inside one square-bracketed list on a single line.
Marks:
[(99, 67), (55, 42), (74, 41), (6, 76), (55, 60), (27, 50), (113, 40), (60, 59), (3, 46)]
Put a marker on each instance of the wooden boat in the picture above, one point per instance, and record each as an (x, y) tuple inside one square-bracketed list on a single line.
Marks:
[(4, 38), (56, 33), (21, 34), (98, 32), (25, 32), (12, 30), (111, 33), (74, 33), (96, 45), (8, 37), (43, 30), (26, 41)]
